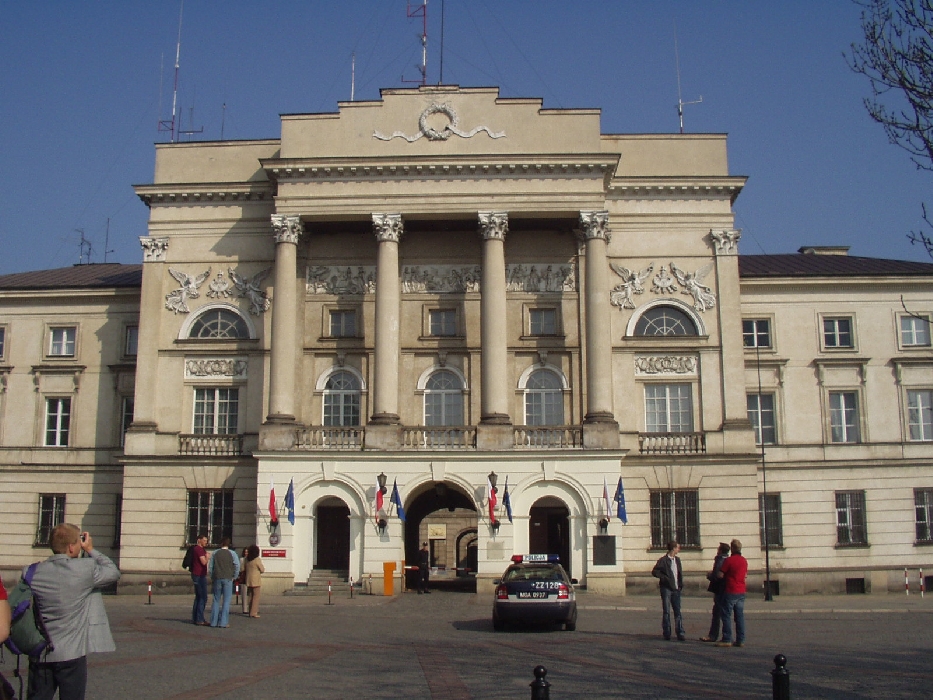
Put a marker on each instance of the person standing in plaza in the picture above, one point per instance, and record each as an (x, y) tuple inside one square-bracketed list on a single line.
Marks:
[(67, 589), (4, 613), (223, 568), (670, 575), (241, 580), (199, 579), (253, 578), (424, 568), (733, 571), (716, 587)]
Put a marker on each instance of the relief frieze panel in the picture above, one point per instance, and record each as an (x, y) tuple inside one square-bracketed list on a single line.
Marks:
[(668, 280), (685, 365), (215, 367)]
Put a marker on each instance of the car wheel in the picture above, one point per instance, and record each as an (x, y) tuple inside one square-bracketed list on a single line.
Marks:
[(497, 625), (570, 626)]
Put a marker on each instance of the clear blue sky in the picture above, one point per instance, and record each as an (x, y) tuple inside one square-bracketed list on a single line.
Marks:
[(80, 99)]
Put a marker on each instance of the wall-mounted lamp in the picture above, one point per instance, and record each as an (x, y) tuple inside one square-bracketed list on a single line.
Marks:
[(381, 522), (492, 481), (381, 480), (604, 525)]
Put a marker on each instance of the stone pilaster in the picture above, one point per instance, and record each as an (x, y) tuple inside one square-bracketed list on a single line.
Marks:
[(286, 231), (388, 229), (494, 402), (140, 437)]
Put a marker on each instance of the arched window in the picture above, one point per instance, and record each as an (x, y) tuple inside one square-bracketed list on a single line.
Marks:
[(544, 399), (443, 399), (342, 399), (220, 324), (665, 320)]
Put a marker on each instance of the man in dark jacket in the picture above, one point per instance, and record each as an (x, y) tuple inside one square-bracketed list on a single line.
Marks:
[(671, 582), (717, 587), (424, 568)]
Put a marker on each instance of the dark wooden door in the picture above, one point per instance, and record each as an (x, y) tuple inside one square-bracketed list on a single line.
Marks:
[(333, 538)]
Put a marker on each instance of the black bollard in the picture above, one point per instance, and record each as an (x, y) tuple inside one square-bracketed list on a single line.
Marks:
[(780, 679), (540, 688)]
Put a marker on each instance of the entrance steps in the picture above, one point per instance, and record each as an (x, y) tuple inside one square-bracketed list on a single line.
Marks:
[(318, 580)]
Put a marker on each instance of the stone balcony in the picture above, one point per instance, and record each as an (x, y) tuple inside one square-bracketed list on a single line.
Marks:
[(671, 443), (210, 445)]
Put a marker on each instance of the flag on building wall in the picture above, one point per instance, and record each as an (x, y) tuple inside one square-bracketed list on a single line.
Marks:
[(290, 502), (506, 501), (397, 501), (491, 497), (620, 503), (380, 499), (273, 514), (606, 500)]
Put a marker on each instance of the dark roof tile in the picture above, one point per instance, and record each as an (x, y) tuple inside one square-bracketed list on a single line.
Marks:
[(95, 276), (808, 265)]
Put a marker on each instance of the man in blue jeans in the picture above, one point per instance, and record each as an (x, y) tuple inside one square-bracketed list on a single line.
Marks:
[(223, 568), (199, 579), (671, 582), (733, 571)]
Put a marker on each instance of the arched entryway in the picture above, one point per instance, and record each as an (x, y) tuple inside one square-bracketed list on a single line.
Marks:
[(549, 529), (444, 516), (332, 536)]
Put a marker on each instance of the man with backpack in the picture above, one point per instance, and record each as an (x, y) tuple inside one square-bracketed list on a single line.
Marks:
[(196, 562), (66, 588)]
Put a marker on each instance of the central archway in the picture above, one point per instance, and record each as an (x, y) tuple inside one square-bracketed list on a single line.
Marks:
[(549, 529), (444, 516)]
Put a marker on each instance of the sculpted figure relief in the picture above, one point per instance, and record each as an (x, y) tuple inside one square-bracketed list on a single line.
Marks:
[(703, 297), (176, 301), (632, 283), (250, 288)]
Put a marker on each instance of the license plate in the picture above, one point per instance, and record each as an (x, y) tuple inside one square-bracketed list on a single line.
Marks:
[(532, 594)]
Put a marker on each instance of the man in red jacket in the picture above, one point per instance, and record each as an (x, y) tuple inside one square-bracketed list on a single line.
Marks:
[(733, 571)]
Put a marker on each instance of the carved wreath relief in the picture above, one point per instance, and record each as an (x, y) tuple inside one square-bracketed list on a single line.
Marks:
[(665, 283), (216, 367), (432, 134), (176, 301)]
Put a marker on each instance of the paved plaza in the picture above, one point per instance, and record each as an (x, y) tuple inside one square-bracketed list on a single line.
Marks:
[(443, 646)]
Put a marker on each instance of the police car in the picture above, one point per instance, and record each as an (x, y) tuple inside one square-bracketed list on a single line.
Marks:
[(535, 588)]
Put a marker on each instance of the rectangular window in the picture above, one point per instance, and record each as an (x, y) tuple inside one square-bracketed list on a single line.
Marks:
[(126, 417), (923, 498), (51, 513), (843, 416), (668, 408), (57, 422), (118, 521), (131, 342), (761, 414), (850, 518), (543, 321), (210, 512), (2, 341), (756, 333), (62, 341), (915, 331), (837, 333), (215, 411), (769, 511), (343, 324), (675, 515), (443, 322), (920, 414)]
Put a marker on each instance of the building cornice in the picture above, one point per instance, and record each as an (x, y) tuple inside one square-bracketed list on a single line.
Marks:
[(431, 167), (715, 187), (204, 193)]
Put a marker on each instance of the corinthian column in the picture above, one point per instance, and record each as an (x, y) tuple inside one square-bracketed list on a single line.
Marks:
[(494, 403), (595, 227), (388, 230), (286, 230)]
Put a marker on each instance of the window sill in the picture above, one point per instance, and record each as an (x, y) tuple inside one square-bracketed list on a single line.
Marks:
[(923, 543), (852, 545)]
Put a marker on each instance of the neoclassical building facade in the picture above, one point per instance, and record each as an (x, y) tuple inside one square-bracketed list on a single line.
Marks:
[(488, 316)]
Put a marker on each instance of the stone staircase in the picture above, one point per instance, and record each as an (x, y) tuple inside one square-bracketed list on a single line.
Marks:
[(318, 580)]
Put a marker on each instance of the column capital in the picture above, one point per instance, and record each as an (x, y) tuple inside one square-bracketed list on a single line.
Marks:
[(493, 225), (286, 229), (726, 242), (595, 224), (153, 248), (388, 227)]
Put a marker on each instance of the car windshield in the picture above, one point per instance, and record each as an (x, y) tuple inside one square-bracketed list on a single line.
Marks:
[(533, 573)]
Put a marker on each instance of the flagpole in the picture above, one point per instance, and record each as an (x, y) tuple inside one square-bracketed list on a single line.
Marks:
[(764, 481)]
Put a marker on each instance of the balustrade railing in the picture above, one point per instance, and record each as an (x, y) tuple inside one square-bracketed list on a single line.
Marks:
[(330, 438), (438, 438), (210, 445), (671, 443), (547, 437)]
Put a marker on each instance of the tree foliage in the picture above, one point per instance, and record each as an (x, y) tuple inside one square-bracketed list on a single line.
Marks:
[(897, 59)]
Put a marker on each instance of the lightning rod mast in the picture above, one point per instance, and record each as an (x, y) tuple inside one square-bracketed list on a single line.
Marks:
[(680, 101)]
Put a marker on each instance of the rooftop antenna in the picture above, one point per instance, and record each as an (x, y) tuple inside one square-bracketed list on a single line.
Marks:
[(171, 125), (422, 12), (107, 241), (352, 75), (84, 248), (680, 101), (440, 79)]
